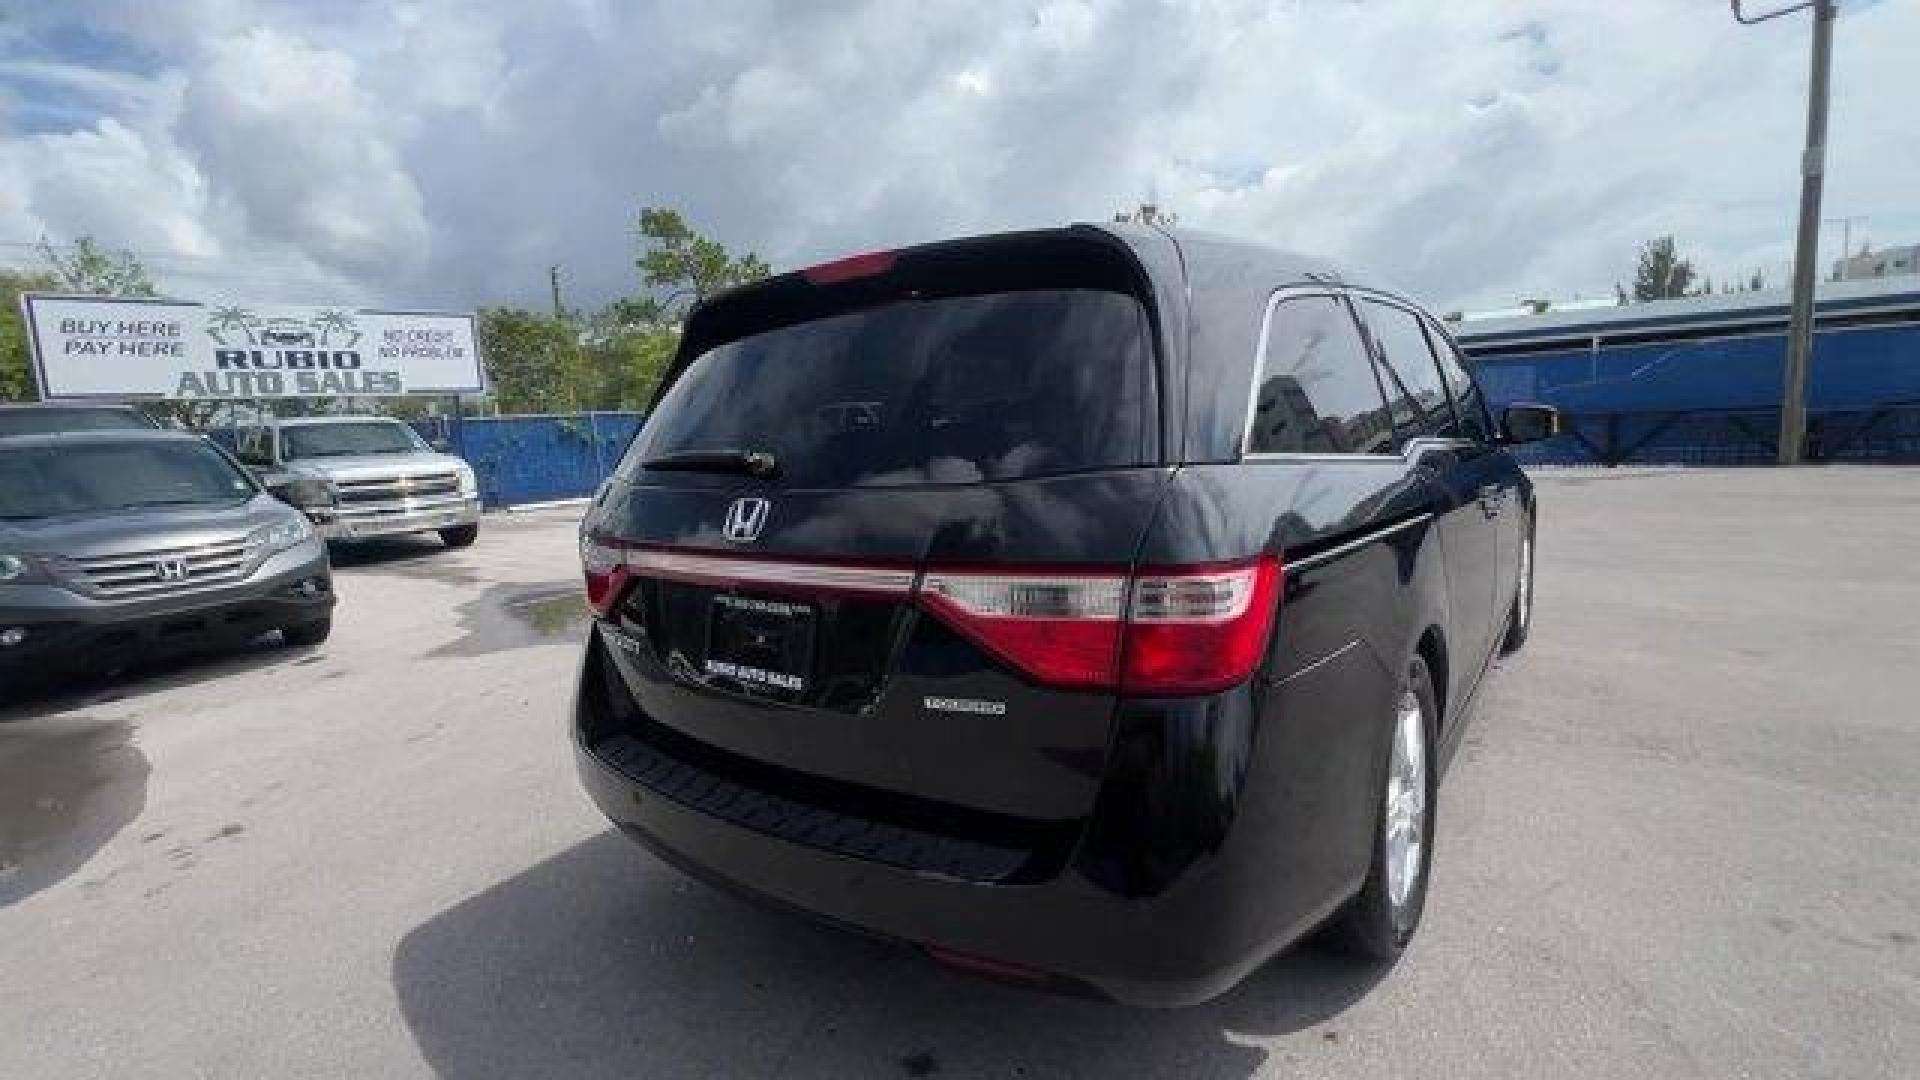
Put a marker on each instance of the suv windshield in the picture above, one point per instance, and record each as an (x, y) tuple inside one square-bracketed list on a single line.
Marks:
[(340, 440), (948, 391), (42, 421), (51, 481)]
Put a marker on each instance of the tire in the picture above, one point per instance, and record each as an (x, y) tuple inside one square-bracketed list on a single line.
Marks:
[(306, 635), (1520, 615), (460, 535), (1381, 920)]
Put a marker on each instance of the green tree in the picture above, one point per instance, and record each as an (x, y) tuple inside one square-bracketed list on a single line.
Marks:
[(1661, 273), (531, 361), (613, 358), (92, 269), (688, 266), (629, 361), (85, 268), (16, 366)]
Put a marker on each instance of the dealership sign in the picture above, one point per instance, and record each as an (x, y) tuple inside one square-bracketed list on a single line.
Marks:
[(92, 346)]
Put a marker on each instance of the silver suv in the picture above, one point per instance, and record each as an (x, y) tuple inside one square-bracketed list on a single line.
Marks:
[(116, 545), (365, 476)]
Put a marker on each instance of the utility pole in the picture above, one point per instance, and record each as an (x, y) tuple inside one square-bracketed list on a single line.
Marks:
[(1813, 167), (553, 276)]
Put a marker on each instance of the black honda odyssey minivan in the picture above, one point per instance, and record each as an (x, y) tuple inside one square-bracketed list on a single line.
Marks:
[(1089, 607)]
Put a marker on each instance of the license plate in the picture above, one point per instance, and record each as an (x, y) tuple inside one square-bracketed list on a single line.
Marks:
[(759, 646), (377, 527)]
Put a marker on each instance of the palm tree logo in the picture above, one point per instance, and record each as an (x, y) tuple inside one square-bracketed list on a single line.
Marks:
[(223, 320), (333, 321)]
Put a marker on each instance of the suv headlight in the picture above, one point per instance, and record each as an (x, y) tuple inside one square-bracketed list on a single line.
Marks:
[(280, 535), (51, 569), (469, 485)]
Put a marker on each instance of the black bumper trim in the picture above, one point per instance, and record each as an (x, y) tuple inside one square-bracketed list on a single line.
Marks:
[(814, 826)]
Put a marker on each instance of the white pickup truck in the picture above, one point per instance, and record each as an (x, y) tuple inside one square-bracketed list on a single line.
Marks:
[(365, 476)]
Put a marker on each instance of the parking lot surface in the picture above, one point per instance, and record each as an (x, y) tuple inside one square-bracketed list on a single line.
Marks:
[(1680, 840)]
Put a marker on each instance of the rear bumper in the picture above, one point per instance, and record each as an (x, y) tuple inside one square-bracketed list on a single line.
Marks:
[(1175, 891), (392, 518), (65, 633)]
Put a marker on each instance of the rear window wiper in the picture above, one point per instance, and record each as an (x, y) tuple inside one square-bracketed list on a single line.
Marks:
[(751, 462)]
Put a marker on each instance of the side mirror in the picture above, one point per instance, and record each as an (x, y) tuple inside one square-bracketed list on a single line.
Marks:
[(305, 493), (1527, 423), (440, 444)]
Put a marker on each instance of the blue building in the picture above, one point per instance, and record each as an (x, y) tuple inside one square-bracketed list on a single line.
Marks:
[(1698, 380)]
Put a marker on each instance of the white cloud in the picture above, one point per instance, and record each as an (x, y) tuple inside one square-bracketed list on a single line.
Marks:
[(433, 152), (297, 147)]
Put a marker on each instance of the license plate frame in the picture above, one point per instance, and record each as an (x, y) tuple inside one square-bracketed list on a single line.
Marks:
[(761, 646)]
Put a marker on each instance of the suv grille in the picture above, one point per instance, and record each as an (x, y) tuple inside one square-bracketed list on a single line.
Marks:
[(166, 570), (395, 488)]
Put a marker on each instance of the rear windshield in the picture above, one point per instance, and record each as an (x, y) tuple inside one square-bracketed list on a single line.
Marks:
[(955, 390), (344, 440), (51, 481), (45, 421)]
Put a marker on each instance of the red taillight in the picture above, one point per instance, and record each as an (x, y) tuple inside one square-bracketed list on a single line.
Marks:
[(605, 567), (869, 264), (1164, 632), (1199, 632), (1062, 629)]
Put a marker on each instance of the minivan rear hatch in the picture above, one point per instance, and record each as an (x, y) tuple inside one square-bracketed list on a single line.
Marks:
[(979, 419)]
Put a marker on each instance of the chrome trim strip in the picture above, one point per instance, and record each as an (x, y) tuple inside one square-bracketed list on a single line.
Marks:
[(118, 560), (182, 587), (376, 511), (1355, 544), (1322, 662), (449, 477), (865, 579)]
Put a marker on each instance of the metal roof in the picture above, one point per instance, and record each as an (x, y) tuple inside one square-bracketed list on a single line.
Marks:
[(1694, 314)]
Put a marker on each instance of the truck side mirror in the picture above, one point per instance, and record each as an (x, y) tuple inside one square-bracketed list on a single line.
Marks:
[(1527, 423), (308, 494)]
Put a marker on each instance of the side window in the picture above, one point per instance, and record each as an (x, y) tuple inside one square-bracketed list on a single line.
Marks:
[(1467, 402), (1316, 393), (1415, 395)]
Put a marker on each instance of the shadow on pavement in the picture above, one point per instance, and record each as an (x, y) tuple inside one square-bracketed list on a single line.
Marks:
[(67, 786), (70, 781), (52, 695), (601, 961)]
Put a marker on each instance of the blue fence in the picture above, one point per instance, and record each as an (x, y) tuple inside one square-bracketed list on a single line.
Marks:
[(1716, 400), (524, 459)]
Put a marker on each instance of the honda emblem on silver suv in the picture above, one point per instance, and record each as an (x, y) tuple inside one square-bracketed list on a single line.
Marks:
[(171, 568), (745, 518)]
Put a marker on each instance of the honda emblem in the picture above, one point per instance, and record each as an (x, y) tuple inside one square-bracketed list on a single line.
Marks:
[(745, 519), (171, 568)]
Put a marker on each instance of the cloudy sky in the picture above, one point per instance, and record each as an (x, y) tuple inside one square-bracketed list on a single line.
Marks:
[(445, 153)]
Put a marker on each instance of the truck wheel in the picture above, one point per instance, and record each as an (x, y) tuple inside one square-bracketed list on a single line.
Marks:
[(1381, 920), (306, 635), (460, 535)]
